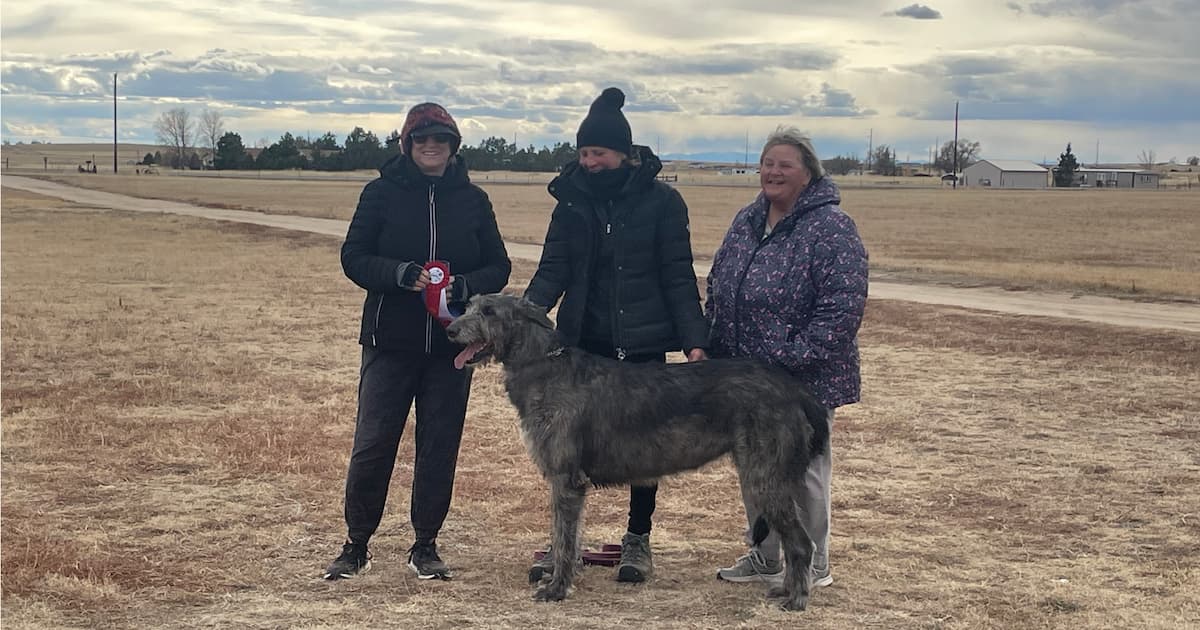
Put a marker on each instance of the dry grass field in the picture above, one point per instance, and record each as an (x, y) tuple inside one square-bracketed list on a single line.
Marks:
[(1138, 244), (178, 401)]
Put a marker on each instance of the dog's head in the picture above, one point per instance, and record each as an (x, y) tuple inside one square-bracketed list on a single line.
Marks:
[(503, 326)]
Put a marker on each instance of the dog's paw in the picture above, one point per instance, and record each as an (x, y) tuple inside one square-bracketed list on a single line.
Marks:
[(552, 592), (787, 600)]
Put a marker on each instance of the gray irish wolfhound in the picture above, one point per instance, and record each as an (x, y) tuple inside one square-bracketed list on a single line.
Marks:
[(590, 420)]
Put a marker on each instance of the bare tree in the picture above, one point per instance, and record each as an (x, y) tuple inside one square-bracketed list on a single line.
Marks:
[(1146, 159), (212, 127), (175, 130)]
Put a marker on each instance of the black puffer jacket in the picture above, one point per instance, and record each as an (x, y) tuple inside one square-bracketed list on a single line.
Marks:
[(655, 302), (405, 216)]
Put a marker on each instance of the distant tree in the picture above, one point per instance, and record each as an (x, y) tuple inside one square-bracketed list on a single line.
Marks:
[(883, 160), (158, 157), (194, 161), (230, 153), (393, 139), (148, 159), (175, 129), (841, 165), (283, 154), (1064, 175), (968, 154), (327, 142), (362, 150), (212, 127), (1146, 159)]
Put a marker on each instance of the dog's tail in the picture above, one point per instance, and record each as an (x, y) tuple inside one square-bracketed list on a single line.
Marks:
[(818, 419)]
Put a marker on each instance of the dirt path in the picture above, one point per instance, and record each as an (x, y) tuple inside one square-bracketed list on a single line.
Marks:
[(1103, 310)]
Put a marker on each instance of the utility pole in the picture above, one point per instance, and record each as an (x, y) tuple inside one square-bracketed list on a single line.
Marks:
[(955, 145), (870, 147), (114, 122), (1097, 162)]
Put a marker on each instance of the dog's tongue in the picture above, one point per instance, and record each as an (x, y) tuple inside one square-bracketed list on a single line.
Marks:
[(466, 355)]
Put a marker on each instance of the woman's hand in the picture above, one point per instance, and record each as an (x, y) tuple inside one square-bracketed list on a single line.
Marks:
[(696, 354)]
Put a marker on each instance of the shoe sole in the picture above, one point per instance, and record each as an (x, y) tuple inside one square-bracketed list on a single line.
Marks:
[(822, 581), (430, 576), (630, 574), (348, 576), (745, 579)]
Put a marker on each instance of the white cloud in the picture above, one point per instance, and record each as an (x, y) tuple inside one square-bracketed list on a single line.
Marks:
[(694, 78)]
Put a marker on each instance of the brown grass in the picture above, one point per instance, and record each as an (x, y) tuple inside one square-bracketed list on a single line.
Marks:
[(1140, 244), (178, 401)]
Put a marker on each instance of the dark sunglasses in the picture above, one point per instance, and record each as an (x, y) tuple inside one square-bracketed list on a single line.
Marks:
[(440, 138)]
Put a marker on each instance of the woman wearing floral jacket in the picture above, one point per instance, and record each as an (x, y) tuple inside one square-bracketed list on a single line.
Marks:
[(788, 285)]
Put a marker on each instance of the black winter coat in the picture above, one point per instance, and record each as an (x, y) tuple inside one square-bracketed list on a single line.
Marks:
[(405, 216), (656, 304)]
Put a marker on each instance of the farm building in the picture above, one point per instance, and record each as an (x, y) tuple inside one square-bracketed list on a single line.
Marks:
[(1115, 178), (1005, 174)]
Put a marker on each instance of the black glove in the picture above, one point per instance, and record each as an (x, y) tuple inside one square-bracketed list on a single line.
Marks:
[(457, 293), (407, 274)]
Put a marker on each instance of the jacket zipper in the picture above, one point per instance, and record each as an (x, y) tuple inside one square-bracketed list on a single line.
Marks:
[(616, 288), (432, 256), (737, 302), (378, 310)]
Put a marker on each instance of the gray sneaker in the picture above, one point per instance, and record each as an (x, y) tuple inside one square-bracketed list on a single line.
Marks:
[(542, 567), (752, 567), (637, 563), (821, 577)]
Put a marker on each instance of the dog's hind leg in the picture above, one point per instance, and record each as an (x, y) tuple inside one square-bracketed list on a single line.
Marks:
[(567, 494), (781, 514)]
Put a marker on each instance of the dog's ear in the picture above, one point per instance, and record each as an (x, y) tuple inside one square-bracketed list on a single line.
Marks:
[(534, 312)]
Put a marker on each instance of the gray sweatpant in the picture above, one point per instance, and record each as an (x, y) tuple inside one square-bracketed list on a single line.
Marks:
[(814, 512)]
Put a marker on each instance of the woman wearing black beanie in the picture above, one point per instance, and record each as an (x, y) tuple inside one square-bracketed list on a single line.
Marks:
[(618, 253)]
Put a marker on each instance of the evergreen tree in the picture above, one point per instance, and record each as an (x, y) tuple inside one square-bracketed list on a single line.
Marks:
[(231, 153), (1064, 175)]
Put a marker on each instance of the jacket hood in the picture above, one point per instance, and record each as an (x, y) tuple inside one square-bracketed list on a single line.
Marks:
[(820, 192), (401, 170), (572, 181)]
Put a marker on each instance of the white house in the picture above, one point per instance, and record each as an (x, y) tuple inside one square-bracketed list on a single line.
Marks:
[(1005, 174)]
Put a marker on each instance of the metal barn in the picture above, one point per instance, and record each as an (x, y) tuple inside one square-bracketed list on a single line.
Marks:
[(1005, 174)]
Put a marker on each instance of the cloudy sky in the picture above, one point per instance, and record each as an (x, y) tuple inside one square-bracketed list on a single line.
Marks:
[(701, 76)]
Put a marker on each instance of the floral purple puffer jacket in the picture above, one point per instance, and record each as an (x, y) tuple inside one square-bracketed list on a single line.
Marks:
[(795, 298)]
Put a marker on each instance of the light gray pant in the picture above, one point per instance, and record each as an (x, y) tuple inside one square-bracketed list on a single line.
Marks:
[(814, 512)]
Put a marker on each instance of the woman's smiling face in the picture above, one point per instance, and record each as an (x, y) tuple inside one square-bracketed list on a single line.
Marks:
[(431, 153), (782, 174)]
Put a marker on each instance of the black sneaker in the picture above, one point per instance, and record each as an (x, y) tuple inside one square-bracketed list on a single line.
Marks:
[(354, 560), (424, 561)]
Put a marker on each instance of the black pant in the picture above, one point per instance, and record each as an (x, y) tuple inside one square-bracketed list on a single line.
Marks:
[(641, 498), (388, 384)]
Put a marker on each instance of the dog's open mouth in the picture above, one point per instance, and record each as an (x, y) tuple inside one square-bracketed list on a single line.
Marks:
[(472, 354)]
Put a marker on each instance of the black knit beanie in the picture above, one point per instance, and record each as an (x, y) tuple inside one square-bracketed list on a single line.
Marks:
[(605, 125)]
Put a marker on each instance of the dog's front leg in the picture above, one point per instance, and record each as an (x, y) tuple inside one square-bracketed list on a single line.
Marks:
[(567, 494)]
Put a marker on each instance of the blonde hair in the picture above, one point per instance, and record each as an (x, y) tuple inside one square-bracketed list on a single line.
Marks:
[(793, 137)]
